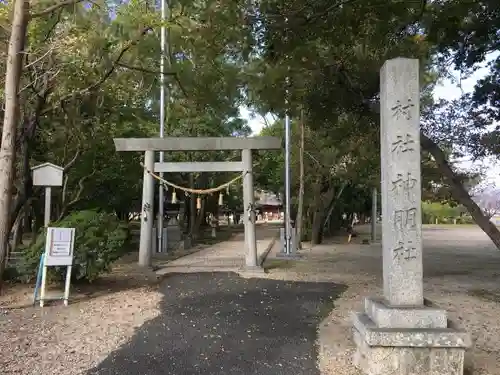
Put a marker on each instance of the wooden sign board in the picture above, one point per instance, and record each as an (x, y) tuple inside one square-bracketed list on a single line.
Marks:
[(47, 174), (59, 246)]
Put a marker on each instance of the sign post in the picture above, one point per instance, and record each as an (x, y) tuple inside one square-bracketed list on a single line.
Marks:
[(59, 242), (59, 248), (47, 175)]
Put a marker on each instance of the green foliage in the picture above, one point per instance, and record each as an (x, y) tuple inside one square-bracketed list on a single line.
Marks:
[(100, 239), (332, 54), (444, 213), (90, 77)]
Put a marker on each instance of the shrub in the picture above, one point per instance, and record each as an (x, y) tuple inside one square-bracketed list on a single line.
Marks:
[(100, 239), (465, 219)]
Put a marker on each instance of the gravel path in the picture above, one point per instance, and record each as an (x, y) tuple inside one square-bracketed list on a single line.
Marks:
[(100, 318), (461, 274), (68, 341), (220, 323), (118, 329)]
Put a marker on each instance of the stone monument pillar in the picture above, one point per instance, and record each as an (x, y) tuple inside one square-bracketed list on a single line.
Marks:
[(402, 333)]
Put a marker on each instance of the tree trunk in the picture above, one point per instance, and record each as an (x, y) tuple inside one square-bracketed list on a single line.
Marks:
[(300, 208), (13, 73), (183, 215), (320, 214), (200, 218), (17, 236), (332, 206), (459, 192), (192, 208), (38, 217), (25, 192), (27, 222), (316, 235), (217, 213)]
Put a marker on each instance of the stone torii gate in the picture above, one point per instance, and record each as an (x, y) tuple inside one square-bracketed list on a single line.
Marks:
[(150, 145)]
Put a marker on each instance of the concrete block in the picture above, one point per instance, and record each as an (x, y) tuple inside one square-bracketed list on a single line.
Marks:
[(408, 352), (385, 316)]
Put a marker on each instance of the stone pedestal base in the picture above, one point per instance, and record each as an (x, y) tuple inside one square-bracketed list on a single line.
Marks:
[(187, 243), (385, 316), (248, 271), (407, 351), (292, 256)]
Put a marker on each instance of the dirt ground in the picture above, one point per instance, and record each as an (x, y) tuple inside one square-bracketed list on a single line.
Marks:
[(100, 318), (461, 274)]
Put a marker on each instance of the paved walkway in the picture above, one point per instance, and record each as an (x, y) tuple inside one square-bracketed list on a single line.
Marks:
[(220, 323), (227, 256)]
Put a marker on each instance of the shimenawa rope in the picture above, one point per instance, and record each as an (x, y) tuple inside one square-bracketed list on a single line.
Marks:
[(193, 191)]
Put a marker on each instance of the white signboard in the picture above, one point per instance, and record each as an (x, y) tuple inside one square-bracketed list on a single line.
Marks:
[(47, 174), (59, 246)]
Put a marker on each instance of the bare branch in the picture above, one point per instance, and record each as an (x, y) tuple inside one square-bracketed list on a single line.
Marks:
[(72, 162), (64, 190), (81, 187), (78, 196), (266, 123), (40, 58), (313, 158)]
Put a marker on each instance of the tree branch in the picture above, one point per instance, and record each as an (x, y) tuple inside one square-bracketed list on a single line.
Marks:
[(81, 188), (110, 71), (54, 7), (145, 70), (458, 190), (64, 190), (415, 19), (325, 12), (68, 166)]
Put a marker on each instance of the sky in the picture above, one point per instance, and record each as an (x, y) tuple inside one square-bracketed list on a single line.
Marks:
[(450, 90), (447, 89)]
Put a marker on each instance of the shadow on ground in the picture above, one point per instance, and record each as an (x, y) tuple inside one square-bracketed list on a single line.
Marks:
[(219, 323)]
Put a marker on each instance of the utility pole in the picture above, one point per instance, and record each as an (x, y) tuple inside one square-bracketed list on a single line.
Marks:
[(289, 245), (288, 222), (164, 95)]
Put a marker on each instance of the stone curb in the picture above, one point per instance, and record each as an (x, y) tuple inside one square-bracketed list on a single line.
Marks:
[(263, 256)]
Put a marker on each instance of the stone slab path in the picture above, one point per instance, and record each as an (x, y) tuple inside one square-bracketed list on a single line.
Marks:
[(227, 256)]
